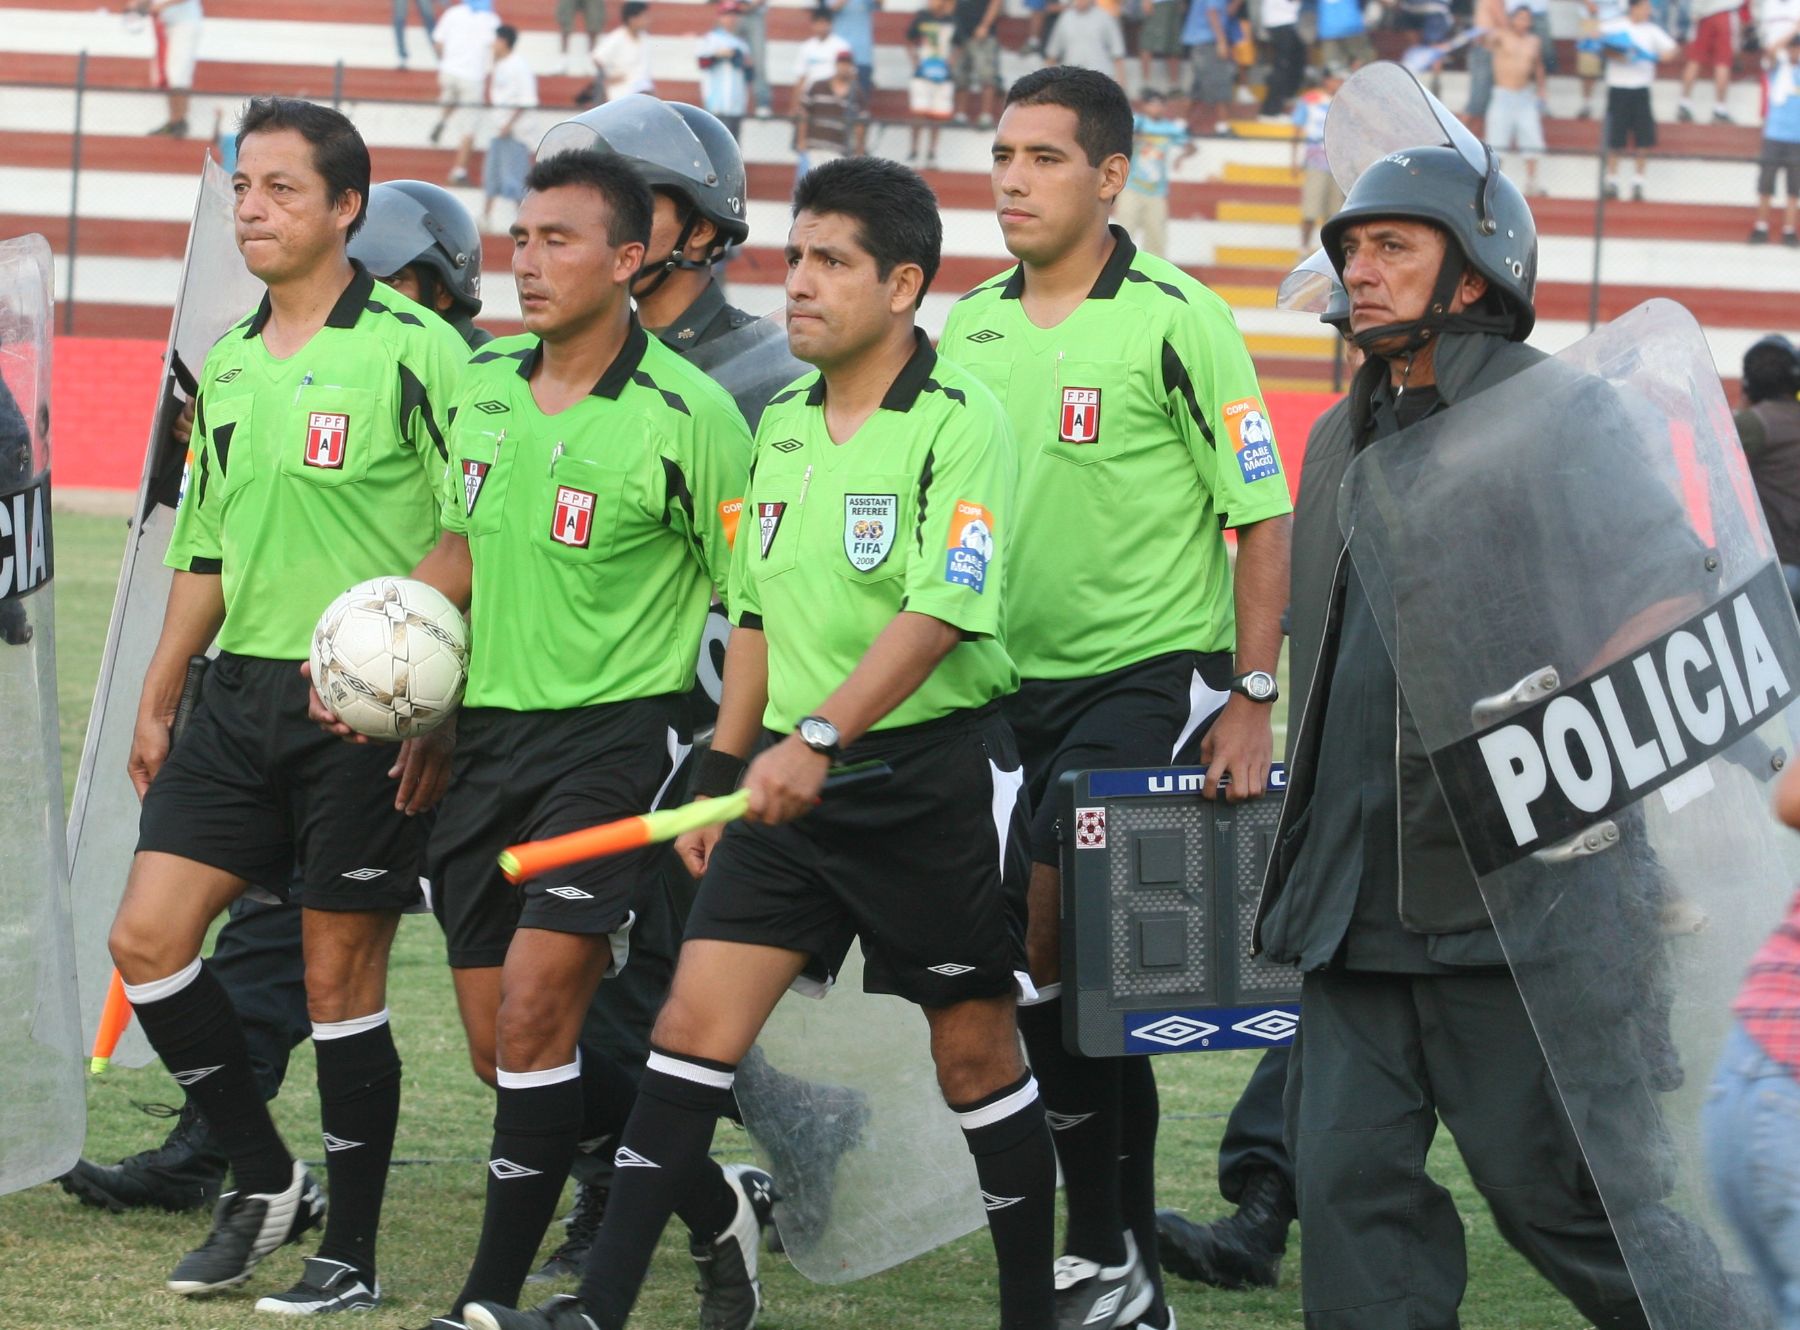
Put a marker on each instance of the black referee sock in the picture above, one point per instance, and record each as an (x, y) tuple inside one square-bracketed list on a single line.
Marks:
[(1016, 1164), (1141, 1112), (191, 1024), (1082, 1103), (537, 1121), (607, 1094), (359, 1109), (661, 1167)]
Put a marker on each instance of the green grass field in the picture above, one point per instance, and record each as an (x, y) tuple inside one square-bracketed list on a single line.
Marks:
[(62, 1264)]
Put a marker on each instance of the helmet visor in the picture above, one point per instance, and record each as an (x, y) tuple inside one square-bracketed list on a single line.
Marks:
[(393, 234), (1382, 109), (1310, 286), (638, 127)]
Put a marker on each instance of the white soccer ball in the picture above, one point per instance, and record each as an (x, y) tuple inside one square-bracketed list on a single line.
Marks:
[(390, 657)]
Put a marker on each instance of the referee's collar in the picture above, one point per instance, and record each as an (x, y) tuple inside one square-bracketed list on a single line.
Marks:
[(1106, 285), (914, 377), (344, 314), (617, 375)]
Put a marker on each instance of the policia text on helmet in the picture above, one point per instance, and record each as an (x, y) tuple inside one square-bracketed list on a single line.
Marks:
[(1426, 244), (692, 165)]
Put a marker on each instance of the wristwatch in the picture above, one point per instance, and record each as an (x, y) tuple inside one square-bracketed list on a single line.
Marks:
[(820, 735), (1257, 685)]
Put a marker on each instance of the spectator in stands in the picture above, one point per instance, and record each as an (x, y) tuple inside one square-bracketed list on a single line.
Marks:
[(593, 22), (931, 95), (1769, 426), (1632, 55), (1343, 40), (854, 21), (830, 121), (176, 27), (1088, 36), (1039, 14), (1160, 40), (622, 56), (1429, 19), (1320, 197), (976, 60), (1287, 56), (1515, 120), (1777, 22), (1210, 33), (1781, 143), (512, 90), (464, 38), (1714, 43), (724, 68), (1490, 16), (819, 53), (1540, 24), (1160, 143), (1601, 19), (753, 27), (427, 16)]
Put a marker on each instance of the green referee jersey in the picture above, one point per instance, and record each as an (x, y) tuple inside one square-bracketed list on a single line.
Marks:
[(598, 533), (910, 513), (1141, 433), (308, 475)]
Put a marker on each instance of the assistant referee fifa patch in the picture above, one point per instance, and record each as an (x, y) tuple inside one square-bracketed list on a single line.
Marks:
[(870, 524), (474, 475), (971, 546), (327, 437), (1080, 416), (1251, 439), (573, 522)]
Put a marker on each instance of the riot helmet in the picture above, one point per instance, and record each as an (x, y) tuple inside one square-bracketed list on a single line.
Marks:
[(411, 223), (1313, 288), (1771, 370), (680, 150)]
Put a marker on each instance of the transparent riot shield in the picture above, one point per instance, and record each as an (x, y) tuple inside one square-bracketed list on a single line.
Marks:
[(870, 1161), (752, 363), (216, 291), (1594, 640), (43, 1105)]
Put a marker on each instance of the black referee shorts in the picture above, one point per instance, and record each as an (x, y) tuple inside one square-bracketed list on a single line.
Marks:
[(255, 788), (1150, 714), (528, 775), (928, 868)]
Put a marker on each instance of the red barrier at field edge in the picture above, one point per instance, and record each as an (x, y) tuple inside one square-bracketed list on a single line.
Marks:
[(103, 390)]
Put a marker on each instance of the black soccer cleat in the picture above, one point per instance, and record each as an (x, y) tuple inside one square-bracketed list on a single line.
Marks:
[(566, 1261), (818, 1126), (245, 1230), (563, 1312), (1242, 1250), (1090, 1296), (183, 1173), (325, 1286), (730, 1295)]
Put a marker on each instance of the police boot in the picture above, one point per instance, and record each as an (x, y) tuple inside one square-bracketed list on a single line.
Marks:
[(183, 1173), (1242, 1250)]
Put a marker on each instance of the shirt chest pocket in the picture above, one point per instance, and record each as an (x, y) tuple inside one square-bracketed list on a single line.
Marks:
[(482, 475), (577, 507), (867, 523), (230, 427), (1088, 410), (332, 434)]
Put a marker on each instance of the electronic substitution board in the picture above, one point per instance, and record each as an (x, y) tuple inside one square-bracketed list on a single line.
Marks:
[(1160, 888)]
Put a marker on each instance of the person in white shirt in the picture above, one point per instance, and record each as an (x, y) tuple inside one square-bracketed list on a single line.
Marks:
[(512, 91), (1287, 56), (1088, 36), (724, 68), (464, 38), (622, 57), (176, 24), (818, 53), (1632, 55)]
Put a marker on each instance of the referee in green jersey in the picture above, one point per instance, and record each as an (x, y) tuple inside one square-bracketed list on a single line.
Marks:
[(1142, 434), (314, 464), (594, 487), (868, 588)]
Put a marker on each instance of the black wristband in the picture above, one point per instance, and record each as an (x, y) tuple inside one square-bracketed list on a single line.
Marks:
[(718, 773)]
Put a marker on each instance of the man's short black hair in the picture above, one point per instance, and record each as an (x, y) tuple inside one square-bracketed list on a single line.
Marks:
[(338, 151), (613, 178), (508, 34), (1102, 110), (895, 212), (632, 9)]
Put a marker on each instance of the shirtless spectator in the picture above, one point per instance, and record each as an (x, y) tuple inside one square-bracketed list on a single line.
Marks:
[(1490, 15), (1515, 116)]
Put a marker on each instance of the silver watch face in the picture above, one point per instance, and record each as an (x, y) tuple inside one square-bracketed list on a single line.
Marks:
[(1259, 685), (815, 733)]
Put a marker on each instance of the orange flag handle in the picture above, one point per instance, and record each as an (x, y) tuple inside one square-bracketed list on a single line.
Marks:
[(115, 1015), (537, 857)]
